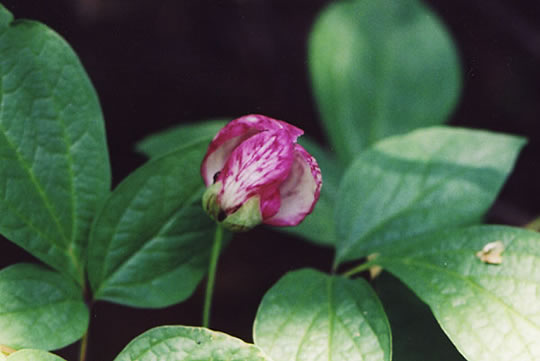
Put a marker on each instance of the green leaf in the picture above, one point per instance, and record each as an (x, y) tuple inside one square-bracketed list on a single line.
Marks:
[(180, 343), (308, 315), (150, 243), (39, 308), (33, 355), (381, 68), (319, 227), (429, 179), (490, 312), (55, 166), (416, 335), (175, 137)]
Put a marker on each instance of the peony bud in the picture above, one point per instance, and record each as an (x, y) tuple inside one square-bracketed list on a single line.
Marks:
[(257, 173)]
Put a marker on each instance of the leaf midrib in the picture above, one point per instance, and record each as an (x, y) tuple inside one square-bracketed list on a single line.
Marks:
[(143, 243), (68, 241)]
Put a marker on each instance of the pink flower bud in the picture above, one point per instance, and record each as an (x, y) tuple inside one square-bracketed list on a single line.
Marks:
[(256, 172)]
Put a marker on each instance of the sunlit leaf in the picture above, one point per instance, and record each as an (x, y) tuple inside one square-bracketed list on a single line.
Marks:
[(39, 308), (33, 355), (429, 179), (179, 343), (308, 315), (490, 312)]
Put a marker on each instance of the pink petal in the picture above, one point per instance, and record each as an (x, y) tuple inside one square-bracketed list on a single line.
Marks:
[(300, 191), (233, 134), (256, 167), (270, 202)]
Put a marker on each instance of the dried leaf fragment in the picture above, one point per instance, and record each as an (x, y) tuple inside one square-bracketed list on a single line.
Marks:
[(6, 350), (491, 253)]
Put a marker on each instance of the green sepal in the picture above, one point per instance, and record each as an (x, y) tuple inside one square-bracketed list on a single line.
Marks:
[(244, 219)]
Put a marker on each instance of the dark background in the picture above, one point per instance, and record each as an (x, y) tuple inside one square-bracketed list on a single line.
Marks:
[(159, 63)]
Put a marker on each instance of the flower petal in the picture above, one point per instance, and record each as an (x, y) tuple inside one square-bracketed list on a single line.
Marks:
[(233, 134), (270, 202), (256, 167), (300, 191)]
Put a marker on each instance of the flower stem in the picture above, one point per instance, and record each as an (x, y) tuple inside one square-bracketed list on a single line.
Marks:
[(83, 346), (216, 248)]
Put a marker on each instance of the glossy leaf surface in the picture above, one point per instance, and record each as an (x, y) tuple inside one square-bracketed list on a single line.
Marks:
[(308, 315), (380, 68), (150, 243), (39, 308), (490, 312), (179, 343), (429, 179), (55, 166)]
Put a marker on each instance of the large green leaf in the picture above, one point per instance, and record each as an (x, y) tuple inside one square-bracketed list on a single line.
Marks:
[(150, 243), (319, 227), (175, 137), (308, 315), (33, 355), (489, 311), (416, 335), (55, 166), (381, 68), (429, 179), (39, 308), (180, 343)]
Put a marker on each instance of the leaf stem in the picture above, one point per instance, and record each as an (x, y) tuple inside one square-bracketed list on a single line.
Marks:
[(360, 268), (216, 248), (534, 225)]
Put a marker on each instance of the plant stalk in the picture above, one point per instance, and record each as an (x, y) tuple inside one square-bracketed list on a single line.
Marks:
[(360, 268), (83, 347), (216, 248), (534, 225)]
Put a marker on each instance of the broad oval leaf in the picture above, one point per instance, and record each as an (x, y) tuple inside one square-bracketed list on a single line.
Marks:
[(490, 312), (33, 355), (180, 343), (308, 315), (381, 68), (39, 308), (170, 139), (429, 179), (150, 243), (55, 166)]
